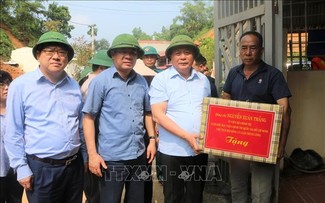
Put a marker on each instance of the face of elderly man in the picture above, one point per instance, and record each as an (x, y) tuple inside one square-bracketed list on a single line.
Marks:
[(53, 58), (124, 58), (182, 58)]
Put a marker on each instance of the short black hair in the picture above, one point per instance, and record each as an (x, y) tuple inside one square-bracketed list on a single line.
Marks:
[(200, 59), (95, 67), (82, 80), (256, 34), (5, 77)]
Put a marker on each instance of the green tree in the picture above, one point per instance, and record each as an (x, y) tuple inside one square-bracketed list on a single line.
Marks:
[(83, 54), (92, 30), (58, 16), (101, 44), (83, 51), (164, 35), (177, 29), (5, 46), (207, 50), (195, 16), (24, 18), (140, 35), (28, 20)]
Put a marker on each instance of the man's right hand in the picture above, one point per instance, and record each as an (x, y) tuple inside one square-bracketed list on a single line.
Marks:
[(95, 164), (192, 140), (26, 183)]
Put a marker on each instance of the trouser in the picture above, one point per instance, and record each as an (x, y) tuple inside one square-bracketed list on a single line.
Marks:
[(261, 181), (148, 184), (53, 182), (10, 189), (158, 167), (91, 187), (184, 178), (130, 174)]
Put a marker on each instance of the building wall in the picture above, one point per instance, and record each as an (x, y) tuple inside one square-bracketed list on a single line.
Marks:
[(308, 111)]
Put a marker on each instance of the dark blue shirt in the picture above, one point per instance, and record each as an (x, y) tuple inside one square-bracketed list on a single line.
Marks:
[(266, 85)]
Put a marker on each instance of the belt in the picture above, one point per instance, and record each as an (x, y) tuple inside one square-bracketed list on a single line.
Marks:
[(67, 161)]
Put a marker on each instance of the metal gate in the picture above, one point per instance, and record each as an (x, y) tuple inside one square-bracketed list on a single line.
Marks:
[(232, 18)]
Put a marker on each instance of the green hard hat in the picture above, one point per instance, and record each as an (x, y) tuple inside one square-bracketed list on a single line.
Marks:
[(125, 41), (53, 37), (149, 50), (181, 40), (101, 58)]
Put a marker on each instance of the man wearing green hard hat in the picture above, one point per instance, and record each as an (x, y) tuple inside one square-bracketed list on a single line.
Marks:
[(45, 141), (99, 62), (119, 98), (176, 97), (150, 57)]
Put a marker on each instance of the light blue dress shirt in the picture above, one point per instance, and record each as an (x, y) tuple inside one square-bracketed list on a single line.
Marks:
[(120, 105), (4, 160), (42, 119), (184, 99)]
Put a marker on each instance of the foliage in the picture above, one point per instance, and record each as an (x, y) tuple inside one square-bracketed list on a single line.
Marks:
[(177, 29), (194, 18), (139, 34), (164, 35), (60, 16), (207, 50), (101, 44), (5, 46), (24, 18), (83, 54), (92, 30), (28, 20), (83, 51)]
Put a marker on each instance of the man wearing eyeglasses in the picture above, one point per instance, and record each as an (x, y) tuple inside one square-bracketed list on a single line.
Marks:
[(119, 98), (44, 132)]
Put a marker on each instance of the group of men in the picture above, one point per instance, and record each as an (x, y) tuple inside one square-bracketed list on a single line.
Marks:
[(54, 134)]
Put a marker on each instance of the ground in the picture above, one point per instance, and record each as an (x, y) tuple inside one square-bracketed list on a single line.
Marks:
[(15, 42)]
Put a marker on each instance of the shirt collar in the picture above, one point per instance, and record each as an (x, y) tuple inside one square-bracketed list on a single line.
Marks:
[(174, 73), (41, 77), (262, 67), (115, 74)]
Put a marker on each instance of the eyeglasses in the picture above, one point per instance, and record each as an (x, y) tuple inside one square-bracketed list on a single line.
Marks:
[(4, 84), (50, 52)]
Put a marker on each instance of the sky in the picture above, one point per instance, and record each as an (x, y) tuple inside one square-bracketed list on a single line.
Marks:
[(116, 17)]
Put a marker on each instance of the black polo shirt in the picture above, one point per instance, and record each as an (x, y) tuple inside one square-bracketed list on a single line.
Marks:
[(266, 85)]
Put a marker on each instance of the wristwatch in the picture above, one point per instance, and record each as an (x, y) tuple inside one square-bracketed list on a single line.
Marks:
[(153, 137)]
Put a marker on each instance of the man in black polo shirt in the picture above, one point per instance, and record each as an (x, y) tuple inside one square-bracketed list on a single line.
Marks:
[(256, 81)]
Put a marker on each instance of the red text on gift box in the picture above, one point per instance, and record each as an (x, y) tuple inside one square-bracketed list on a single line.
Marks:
[(239, 130)]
